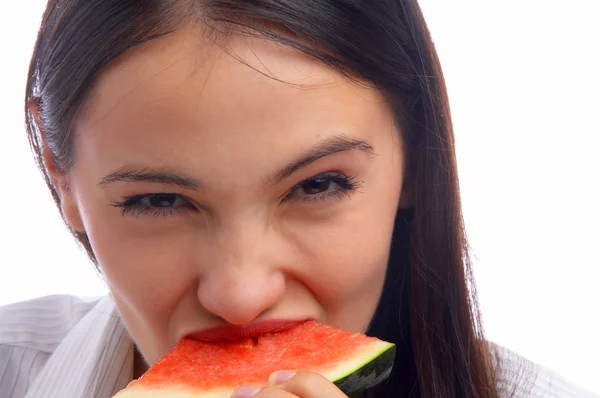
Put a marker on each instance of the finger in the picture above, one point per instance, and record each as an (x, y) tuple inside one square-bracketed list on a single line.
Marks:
[(274, 392), (246, 392), (261, 392), (305, 384)]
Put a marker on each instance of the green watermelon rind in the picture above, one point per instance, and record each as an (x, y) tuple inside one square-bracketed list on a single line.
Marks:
[(365, 370)]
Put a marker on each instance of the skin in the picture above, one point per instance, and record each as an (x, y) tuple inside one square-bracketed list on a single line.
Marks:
[(244, 246)]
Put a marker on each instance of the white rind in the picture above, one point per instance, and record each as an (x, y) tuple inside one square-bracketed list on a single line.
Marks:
[(170, 392)]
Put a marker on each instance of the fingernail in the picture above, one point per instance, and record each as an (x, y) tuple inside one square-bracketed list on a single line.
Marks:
[(281, 377), (245, 392)]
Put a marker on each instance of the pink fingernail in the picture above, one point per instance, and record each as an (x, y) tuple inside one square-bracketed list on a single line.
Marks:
[(281, 377), (245, 392)]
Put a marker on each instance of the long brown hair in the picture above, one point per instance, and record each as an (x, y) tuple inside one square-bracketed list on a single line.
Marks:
[(428, 306)]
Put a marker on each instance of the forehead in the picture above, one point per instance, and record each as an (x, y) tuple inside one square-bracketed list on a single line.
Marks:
[(236, 92)]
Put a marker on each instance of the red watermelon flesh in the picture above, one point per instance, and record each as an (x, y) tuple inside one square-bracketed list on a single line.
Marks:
[(195, 369)]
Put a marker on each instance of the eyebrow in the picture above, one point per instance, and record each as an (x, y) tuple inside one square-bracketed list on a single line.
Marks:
[(138, 173), (153, 175), (328, 147)]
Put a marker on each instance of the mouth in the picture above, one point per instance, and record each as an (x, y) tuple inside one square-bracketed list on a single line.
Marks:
[(252, 330)]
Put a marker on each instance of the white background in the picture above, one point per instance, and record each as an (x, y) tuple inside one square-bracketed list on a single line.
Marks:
[(524, 85)]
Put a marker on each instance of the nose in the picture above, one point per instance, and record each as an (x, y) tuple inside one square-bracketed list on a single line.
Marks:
[(242, 282)]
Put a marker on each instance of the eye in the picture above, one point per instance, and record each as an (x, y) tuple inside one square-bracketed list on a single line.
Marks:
[(156, 204), (322, 187), (315, 186), (161, 200)]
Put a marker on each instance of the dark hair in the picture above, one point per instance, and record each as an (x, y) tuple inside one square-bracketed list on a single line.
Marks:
[(428, 307)]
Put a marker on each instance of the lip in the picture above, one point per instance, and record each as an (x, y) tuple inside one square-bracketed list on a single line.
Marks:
[(231, 333)]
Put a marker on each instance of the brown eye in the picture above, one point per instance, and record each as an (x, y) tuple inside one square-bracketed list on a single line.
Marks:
[(315, 185), (324, 186), (161, 200), (165, 204)]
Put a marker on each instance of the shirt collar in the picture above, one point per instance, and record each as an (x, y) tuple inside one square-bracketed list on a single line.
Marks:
[(95, 359)]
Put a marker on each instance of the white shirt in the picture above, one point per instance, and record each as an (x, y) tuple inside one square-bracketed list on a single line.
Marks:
[(63, 346)]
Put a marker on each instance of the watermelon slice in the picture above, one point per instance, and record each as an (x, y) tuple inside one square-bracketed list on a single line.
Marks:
[(195, 369)]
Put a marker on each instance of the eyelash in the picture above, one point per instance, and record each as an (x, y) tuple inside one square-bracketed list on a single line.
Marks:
[(133, 205), (345, 186)]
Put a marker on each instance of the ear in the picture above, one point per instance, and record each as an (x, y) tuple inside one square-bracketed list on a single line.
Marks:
[(59, 178)]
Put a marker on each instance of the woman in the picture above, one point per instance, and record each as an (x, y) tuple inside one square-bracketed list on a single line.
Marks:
[(230, 162)]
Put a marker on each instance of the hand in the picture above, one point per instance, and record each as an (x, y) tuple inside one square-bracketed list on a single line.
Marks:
[(288, 384)]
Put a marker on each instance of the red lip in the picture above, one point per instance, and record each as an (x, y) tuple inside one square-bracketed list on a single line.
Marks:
[(252, 330)]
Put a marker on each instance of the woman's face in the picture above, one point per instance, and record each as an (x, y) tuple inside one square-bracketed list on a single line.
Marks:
[(229, 187)]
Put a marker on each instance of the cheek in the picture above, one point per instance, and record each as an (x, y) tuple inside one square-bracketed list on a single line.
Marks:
[(147, 269), (344, 255), (343, 262), (349, 252)]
